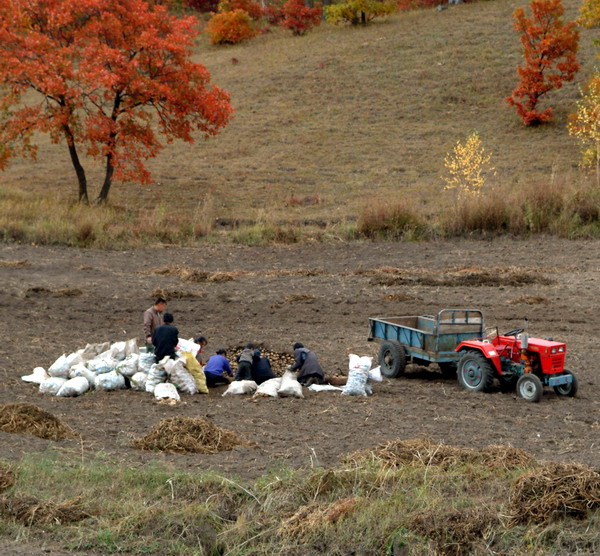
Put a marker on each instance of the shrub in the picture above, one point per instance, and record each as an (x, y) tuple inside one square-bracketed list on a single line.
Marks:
[(253, 9), (390, 220), (203, 6), (230, 27), (273, 14), (407, 5), (299, 18), (549, 49), (358, 12)]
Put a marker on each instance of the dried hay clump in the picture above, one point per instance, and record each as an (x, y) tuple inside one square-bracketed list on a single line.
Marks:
[(299, 297), (26, 418), (505, 457), (314, 515), (417, 450), (28, 510), (555, 488), (7, 475), (454, 531), (14, 263), (188, 435), (177, 294)]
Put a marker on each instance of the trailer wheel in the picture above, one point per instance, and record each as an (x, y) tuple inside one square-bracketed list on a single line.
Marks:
[(567, 389), (530, 388), (392, 359), (475, 372)]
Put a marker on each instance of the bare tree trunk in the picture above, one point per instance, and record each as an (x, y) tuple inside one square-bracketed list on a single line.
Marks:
[(103, 197), (79, 170)]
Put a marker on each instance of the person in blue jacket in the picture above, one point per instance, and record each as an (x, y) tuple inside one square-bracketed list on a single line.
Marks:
[(218, 370)]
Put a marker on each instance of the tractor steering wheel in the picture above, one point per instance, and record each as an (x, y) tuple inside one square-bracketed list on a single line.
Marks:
[(514, 332)]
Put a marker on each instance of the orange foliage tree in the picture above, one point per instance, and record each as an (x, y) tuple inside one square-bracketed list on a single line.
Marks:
[(549, 49), (108, 78), (230, 27), (299, 18)]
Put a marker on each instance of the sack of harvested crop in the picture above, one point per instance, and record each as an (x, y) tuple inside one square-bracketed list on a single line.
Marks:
[(146, 361), (156, 375), (129, 366), (117, 351), (194, 368), (102, 364), (269, 388), (188, 346), (241, 387), (38, 376), (375, 375), (110, 381), (81, 370), (166, 390), (359, 363), (60, 368), (357, 381), (138, 381), (290, 386), (52, 385), (179, 376), (74, 387), (131, 347)]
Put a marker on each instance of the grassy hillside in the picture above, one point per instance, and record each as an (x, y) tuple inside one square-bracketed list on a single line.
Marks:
[(347, 116)]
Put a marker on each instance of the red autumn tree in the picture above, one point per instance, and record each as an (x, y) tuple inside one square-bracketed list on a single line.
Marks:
[(549, 49), (111, 79), (299, 18)]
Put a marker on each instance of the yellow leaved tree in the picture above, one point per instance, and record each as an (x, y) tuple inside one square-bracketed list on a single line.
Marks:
[(467, 166)]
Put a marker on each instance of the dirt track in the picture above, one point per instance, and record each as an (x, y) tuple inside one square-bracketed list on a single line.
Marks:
[(312, 294)]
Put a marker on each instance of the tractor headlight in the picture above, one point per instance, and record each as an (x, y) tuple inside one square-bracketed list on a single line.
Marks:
[(553, 350), (561, 349)]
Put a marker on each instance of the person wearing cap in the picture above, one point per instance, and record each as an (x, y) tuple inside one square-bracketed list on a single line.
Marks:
[(165, 338), (308, 366), (153, 318), (261, 368)]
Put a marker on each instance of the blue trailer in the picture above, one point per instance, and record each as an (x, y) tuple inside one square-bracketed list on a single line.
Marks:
[(424, 339)]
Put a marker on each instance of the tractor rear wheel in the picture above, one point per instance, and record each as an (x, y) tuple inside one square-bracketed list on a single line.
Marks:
[(392, 359), (530, 388), (568, 389), (475, 372)]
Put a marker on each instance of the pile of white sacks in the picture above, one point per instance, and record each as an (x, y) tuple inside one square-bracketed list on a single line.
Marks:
[(106, 366)]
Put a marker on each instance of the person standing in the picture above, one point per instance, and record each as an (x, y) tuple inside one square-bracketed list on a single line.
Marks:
[(153, 318), (165, 338), (306, 362)]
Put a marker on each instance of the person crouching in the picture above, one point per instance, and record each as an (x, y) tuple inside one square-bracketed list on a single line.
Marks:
[(244, 360)]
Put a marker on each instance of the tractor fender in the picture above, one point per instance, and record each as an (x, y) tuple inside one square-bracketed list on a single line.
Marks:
[(487, 349)]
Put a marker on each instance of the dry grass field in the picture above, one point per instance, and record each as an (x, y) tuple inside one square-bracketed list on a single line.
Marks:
[(328, 123)]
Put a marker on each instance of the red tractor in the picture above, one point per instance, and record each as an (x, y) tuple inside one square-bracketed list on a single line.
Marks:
[(515, 359)]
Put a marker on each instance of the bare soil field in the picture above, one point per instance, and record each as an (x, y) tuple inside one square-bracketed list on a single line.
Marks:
[(56, 300)]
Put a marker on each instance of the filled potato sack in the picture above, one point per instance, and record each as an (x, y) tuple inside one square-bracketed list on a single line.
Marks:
[(239, 387), (74, 387), (290, 387)]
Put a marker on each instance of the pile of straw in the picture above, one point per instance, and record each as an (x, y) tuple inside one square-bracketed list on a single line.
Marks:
[(314, 515), (555, 488), (29, 510), (25, 418), (185, 435), (7, 475)]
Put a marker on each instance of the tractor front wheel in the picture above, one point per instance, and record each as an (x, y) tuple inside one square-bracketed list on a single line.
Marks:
[(392, 359), (568, 389), (530, 388), (475, 372)]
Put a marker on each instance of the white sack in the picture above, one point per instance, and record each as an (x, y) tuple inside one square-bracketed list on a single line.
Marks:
[(166, 390), (145, 362), (187, 345), (138, 381), (180, 376), (110, 381), (375, 375), (118, 350), (81, 370), (355, 386), (131, 347), (290, 386), (60, 368), (359, 363), (156, 375), (241, 387), (129, 366), (269, 388), (74, 387), (38, 376), (52, 385), (323, 387), (102, 364)]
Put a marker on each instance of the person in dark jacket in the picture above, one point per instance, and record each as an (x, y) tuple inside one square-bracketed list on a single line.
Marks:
[(307, 365), (165, 338), (261, 368), (244, 361)]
